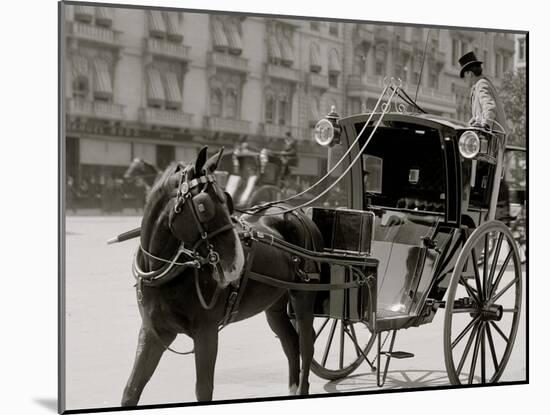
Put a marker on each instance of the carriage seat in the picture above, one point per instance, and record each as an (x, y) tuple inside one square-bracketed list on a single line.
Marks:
[(420, 204)]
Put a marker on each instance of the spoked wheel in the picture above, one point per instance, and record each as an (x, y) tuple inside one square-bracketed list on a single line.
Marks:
[(483, 307), (339, 347)]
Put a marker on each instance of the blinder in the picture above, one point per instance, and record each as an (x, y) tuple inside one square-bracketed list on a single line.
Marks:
[(204, 206)]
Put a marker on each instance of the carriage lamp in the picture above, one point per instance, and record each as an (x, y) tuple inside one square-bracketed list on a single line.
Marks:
[(469, 144), (327, 130)]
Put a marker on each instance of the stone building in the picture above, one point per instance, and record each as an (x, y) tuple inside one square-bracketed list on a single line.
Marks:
[(159, 84)]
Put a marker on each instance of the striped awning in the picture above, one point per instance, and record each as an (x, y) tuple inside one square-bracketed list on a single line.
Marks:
[(218, 33), (287, 50), (334, 62), (173, 27), (314, 58), (104, 15), (233, 37), (102, 82), (156, 23), (173, 91), (274, 49), (155, 90), (80, 66), (84, 13)]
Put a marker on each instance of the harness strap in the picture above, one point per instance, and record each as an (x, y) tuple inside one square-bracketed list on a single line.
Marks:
[(303, 286), (232, 307)]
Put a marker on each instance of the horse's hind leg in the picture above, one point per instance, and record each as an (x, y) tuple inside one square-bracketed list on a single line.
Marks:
[(206, 351), (279, 322), (148, 354), (303, 302)]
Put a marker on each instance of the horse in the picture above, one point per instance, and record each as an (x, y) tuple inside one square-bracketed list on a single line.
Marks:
[(142, 170), (187, 208)]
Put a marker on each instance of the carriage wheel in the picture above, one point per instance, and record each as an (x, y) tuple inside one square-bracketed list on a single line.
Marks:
[(483, 307), (339, 347)]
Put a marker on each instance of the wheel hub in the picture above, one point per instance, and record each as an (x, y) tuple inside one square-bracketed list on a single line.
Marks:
[(491, 312)]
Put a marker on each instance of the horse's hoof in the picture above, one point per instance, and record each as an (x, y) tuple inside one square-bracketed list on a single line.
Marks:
[(293, 389)]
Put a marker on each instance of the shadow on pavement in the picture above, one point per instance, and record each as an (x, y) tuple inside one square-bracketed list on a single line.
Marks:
[(396, 379)]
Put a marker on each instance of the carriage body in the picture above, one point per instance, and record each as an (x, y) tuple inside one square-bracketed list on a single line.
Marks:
[(422, 194), (433, 205)]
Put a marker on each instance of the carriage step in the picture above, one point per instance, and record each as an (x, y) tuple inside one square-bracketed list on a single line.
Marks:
[(398, 355)]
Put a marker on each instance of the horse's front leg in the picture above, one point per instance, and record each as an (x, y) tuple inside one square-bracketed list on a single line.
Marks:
[(148, 354), (302, 303), (206, 351)]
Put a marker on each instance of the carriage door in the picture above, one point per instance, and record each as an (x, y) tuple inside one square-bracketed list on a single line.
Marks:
[(405, 263)]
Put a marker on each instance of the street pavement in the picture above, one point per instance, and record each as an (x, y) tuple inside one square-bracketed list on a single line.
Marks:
[(102, 323)]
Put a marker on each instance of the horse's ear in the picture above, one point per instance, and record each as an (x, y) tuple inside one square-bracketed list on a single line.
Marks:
[(201, 159), (212, 163)]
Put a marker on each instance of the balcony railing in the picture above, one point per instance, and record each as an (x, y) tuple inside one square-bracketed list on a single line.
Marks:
[(433, 96), (168, 118), (227, 125), (360, 83), (318, 81), (228, 61), (282, 72), (96, 34), (95, 109), (280, 131), (160, 47)]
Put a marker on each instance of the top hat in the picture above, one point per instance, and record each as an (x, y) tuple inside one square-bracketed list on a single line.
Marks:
[(466, 61)]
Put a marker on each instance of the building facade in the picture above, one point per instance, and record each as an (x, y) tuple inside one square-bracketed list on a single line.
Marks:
[(160, 84)]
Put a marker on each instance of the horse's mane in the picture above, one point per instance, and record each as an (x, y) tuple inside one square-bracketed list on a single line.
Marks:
[(161, 192)]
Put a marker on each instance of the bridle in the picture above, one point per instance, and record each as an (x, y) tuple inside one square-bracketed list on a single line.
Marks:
[(200, 202)]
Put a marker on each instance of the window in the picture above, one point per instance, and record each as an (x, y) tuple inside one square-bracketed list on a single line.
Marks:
[(314, 58), (333, 80), (269, 109), (333, 29), (173, 29), (283, 108), (454, 56), (157, 28), (433, 80), (314, 26), (173, 91), (505, 64), (464, 48), (231, 104), (155, 89), (216, 103), (379, 68), (498, 65), (103, 89), (81, 87)]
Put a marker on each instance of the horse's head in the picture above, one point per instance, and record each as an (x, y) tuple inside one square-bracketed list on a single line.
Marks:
[(199, 217)]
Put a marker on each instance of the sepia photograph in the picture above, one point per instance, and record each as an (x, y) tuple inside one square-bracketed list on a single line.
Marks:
[(264, 207)]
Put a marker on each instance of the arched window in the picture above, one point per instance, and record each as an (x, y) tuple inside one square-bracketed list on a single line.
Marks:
[(269, 108), (81, 87), (216, 102), (231, 103), (283, 111)]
